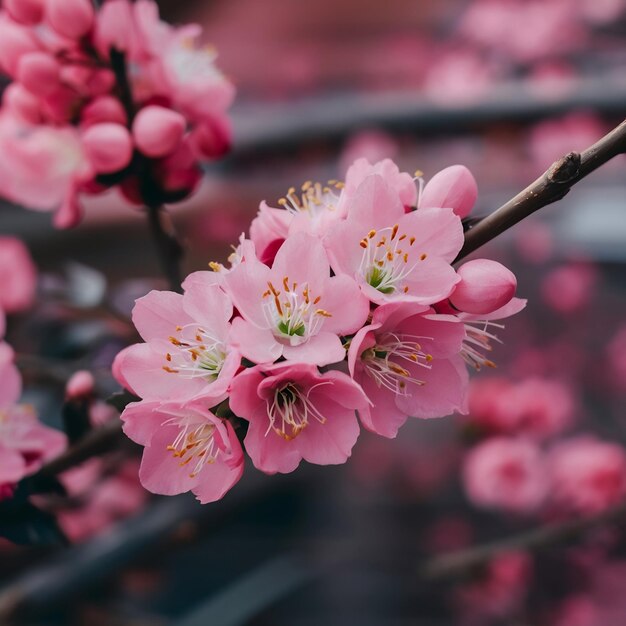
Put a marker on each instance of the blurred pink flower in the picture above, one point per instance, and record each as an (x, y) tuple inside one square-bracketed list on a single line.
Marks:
[(296, 413), (294, 309), (186, 448), (18, 276), (408, 363), (25, 443), (103, 498), (507, 474), (534, 407), (587, 475), (372, 145), (499, 591), (570, 287)]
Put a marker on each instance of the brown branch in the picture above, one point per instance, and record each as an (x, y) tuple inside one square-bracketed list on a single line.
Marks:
[(458, 563), (550, 187), (98, 441)]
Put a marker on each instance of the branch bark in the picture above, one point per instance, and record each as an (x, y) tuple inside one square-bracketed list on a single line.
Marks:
[(551, 186), (455, 564)]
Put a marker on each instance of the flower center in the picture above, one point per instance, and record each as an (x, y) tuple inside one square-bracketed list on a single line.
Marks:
[(195, 442), (477, 341), (383, 362), (195, 354), (190, 63), (290, 410), (293, 313), (315, 199), (388, 258)]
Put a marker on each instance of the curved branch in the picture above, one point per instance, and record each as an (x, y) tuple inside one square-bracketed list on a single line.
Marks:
[(458, 563), (551, 186)]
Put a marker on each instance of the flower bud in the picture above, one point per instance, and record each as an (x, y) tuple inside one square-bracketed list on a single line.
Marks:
[(485, 286), (109, 147), (454, 188), (39, 73), (211, 139), (26, 12), (103, 109), (21, 103), (15, 41), (157, 131), (70, 18), (80, 385)]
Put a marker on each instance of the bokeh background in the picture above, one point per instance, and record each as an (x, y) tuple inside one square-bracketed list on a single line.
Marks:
[(502, 86)]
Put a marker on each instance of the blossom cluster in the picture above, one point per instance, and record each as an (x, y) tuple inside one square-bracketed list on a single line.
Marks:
[(342, 301), (101, 99)]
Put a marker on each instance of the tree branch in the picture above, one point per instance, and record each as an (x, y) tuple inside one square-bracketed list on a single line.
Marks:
[(458, 563), (550, 187)]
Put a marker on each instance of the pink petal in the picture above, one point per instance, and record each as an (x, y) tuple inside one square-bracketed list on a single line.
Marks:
[(321, 349), (157, 314), (384, 417), (348, 306), (246, 284), (209, 306), (438, 232), (329, 443), (141, 420), (453, 188), (254, 343)]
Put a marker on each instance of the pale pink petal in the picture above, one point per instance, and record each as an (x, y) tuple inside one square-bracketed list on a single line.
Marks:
[(246, 284), (438, 232), (348, 305), (158, 313), (444, 391), (321, 349), (329, 443), (141, 420), (254, 343), (383, 417)]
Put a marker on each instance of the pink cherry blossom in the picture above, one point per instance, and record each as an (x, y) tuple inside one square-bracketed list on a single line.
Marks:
[(588, 475), (186, 448), (508, 474), (269, 228), (408, 363), (294, 309), (18, 276), (395, 256), (296, 413), (189, 348)]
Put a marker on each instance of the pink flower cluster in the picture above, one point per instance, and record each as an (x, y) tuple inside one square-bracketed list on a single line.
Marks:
[(515, 470), (25, 444), (70, 126), (343, 301)]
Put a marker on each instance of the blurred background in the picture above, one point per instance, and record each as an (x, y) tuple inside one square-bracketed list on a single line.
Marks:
[(504, 87)]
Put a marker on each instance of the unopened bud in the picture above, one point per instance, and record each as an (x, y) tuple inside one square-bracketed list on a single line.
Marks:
[(485, 286)]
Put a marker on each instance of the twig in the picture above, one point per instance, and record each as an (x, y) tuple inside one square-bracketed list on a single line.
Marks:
[(98, 441), (459, 563), (169, 249), (550, 187)]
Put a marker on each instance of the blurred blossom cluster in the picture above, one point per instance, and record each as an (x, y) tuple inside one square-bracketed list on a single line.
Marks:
[(105, 98), (343, 301)]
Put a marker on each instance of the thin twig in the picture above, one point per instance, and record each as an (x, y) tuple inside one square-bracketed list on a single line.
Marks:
[(458, 563), (550, 187), (169, 249), (98, 441)]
